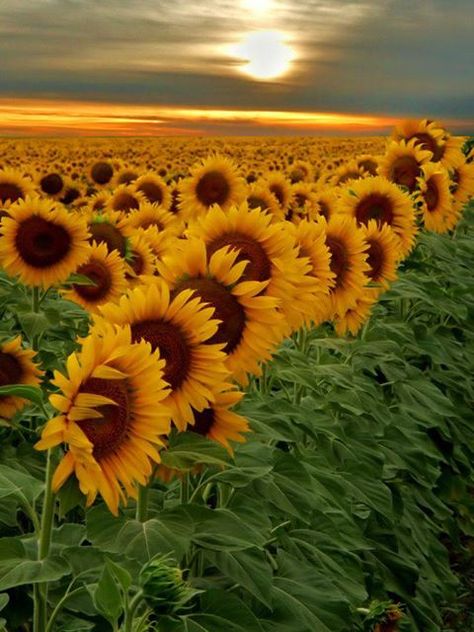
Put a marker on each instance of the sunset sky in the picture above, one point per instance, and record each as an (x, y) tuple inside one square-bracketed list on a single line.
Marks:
[(233, 66)]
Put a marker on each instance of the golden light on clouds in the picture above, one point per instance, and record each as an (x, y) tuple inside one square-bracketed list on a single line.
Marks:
[(264, 55), (258, 7)]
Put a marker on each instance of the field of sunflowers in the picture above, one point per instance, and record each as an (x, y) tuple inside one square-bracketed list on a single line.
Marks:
[(236, 384)]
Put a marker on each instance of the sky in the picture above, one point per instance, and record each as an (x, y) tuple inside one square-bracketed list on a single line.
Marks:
[(250, 67)]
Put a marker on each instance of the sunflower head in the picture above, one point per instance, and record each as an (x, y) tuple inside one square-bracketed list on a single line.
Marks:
[(17, 366), (14, 186)]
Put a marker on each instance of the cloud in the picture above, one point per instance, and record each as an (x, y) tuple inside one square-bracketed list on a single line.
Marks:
[(402, 57)]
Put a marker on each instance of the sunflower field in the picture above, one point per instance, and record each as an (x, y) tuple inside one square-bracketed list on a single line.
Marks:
[(236, 384)]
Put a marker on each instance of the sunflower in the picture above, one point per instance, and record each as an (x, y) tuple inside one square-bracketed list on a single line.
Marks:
[(181, 327), (280, 187), (111, 416), (107, 272), (42, 243), (347, 172), (142, 259), (301, 171), (376, 198), (251, 326), (124, 175), (269, 248), (259, 196), (368, 163), (215, 181), (462, 186), (112, 229), (347, 248), (434, 198), (220, 424), (158, 240), (154, 189), (14, 186), (16, 367), (310, 238), (402, 163), (125, 198), (152, 215), (101, 173), (51, 184), (425, 134), (327, 201), (354, 317), (303, 203), (383, 252)]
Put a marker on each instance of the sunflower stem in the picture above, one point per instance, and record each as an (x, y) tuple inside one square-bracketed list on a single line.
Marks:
[(184, 489), (47, 518), (35, 308), (142, 503)]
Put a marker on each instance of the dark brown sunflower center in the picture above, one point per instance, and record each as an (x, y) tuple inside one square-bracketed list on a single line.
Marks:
[(102, 172), (404, 171), (324, 209), (70, 195), (11, 370), (350, 175), (51, 184), (10, 191), (108, 234), (137, 262), (426, 141), (374, 206), (375, 259), (278, 192), (431, 195), (259, 266), (339, 259), (100, 275), (369, 165), (109, 433), (203, 421), (212, 188), (297, 175), (125, 202), (174, 206), (127, 177), (253, 201), (41, 243), (227, 309), (300, 200), (152, 192), (173, 345)]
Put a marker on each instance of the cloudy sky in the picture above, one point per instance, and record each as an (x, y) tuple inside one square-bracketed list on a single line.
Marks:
[(233, 66)]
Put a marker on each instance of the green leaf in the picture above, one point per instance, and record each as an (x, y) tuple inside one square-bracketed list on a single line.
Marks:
[(19, 485), (4, 599), (122, 575), (107, 597), (31, 393), (18, 571), (33, 323), (187, 449)]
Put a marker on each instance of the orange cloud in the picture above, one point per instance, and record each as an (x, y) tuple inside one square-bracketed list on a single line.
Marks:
[(43, 117)]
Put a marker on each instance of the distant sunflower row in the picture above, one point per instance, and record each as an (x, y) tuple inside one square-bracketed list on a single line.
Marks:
[(193, 280)]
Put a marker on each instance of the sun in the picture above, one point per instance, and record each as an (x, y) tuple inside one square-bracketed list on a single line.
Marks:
[(266, 55)]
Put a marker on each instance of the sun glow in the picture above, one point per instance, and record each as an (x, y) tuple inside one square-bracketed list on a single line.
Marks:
[(265, 54), (257, 6)]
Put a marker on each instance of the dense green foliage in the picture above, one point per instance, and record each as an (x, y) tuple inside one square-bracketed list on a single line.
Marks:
[(354, 492)]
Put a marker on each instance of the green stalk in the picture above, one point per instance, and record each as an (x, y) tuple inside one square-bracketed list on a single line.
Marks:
[(35, 307), (184, 489), (130, 611), (142, 504), (47, 517)]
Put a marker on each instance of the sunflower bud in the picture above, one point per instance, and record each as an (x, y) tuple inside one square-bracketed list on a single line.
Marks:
[(164, 589)]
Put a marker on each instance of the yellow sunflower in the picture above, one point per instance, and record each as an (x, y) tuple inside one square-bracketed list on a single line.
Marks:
[(353, 318), (383, 252), (14, 186), (425, 134), (347, 248), (462, 184), (268, 247), (219, 423), (107, 271), (259, 196), (154, 189), (251, 326), (51, 184), (152, 215), (435, 200), (160, 241), (303, 203), (16, 367), (310, 238), (368, 163), (215, 181), (181, 328), (346, 173), (301, 171), (42, 243), (402, 163), (112, 229), (375, 198), (125, 198), (142, 259), (279, 187), (111, 416), (327, 201)]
